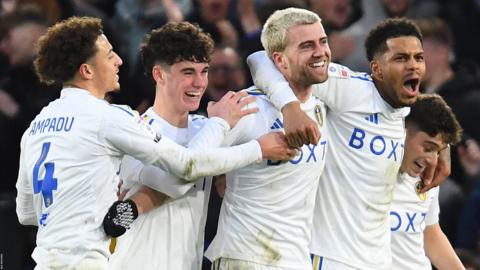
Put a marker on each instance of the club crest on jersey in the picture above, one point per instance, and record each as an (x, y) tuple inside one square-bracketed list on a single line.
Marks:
[(418, 186), (318, 114)]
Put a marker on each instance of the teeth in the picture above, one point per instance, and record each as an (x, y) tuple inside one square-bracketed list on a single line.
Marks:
[(318, 64), (194, 94)]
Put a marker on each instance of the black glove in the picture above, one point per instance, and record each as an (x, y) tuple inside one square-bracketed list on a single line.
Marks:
[(119, 217)]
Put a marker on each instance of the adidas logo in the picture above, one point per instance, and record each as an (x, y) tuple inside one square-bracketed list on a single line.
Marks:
[(372, 118), (277, 124)]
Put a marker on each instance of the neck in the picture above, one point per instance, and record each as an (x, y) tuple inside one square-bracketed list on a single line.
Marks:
[(302, 92), (380, 88), (85, 86), (169, 112)]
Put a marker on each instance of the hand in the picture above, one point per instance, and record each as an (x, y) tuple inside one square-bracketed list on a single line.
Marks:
[(121, 193), (232, 107), (119, 218), (436, 175), (221, 185), (299, 128), (274, 147)]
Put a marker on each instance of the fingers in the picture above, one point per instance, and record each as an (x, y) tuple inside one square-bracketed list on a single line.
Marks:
[(313, 134)]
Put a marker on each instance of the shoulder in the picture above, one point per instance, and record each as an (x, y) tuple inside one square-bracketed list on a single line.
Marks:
[(342, 72)]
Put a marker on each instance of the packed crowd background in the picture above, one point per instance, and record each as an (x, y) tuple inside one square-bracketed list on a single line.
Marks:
[(451, 32)]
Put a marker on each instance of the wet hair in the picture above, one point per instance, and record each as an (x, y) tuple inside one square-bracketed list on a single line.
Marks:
[(431, 114), (376, 42), (176, 42), (66, 45), (274, 32)]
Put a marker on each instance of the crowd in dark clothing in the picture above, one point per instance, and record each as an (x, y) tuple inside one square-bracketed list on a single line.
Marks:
[(452, 38)]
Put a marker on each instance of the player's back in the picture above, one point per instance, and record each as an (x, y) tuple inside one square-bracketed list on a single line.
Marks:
[(267, 208), (72, 173)]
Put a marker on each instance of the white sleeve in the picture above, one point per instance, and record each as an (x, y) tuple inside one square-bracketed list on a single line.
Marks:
[(25, 208), (266, 76), (122, 132), (211, 135), (433, 209)]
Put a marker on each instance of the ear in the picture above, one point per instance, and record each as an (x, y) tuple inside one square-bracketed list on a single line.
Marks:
[(158, 74), (86, 71), (280, 60), (376, 70)]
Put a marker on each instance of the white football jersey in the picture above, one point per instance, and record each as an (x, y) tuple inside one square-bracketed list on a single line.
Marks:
[(410, 214), (351, 222), (69, 160), (170, 236), (267, 208)]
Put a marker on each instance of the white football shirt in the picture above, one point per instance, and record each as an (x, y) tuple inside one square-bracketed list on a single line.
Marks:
[(170, 236), (410, 214), (267, 208), (67, 179), (351, 222)]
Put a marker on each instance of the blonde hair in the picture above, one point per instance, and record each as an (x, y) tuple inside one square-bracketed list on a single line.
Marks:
[(274, 32)]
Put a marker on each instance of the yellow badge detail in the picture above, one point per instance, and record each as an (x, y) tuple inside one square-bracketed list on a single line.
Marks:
[(418, 186)]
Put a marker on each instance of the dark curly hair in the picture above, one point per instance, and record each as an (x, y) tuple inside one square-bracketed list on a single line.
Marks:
[(175, 42), (376, 42), (66, 46), (431, 114)]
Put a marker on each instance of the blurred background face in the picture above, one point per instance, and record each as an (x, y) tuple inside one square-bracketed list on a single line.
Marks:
[(396, 8), (214, 10), (19, 43), (225, 73), (333, 12), (436, 55)]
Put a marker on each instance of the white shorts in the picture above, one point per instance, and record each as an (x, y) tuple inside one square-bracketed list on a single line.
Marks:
[(92, 261), (322, 263), (234, 264)]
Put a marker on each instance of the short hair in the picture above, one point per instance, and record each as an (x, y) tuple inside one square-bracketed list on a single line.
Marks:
[(431, 114), (176, 42), (274, 32), (436, 29), (376, 42), (66, 46)]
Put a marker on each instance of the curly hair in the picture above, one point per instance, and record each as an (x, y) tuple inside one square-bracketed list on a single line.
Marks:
[(431, 114), (175, 42), (66, 46), (376, 42)]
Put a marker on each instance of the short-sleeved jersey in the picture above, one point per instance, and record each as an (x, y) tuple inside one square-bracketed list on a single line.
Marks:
[(69, 167), (69, 160), (411, 212), (351, 222), (267, 208), (170, 236)]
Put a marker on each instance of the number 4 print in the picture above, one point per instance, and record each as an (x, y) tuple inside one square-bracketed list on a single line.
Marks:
[(48, 184)]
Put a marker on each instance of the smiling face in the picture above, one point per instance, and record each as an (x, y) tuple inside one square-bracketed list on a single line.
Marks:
[(399, 70), (306, 57), (183, 85), (421, 150), (105, 65)]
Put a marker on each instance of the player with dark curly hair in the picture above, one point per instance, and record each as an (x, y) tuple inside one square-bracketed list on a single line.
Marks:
[(72, 150)]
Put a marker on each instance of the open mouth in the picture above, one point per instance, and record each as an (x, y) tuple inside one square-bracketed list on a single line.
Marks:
[(318, 64), (412, 86), (193, 94)]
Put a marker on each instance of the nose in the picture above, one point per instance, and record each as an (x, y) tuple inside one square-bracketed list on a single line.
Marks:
[(200, 81), (119, 61)]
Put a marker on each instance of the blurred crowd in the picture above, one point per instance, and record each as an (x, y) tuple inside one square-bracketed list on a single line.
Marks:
[(451, 32)]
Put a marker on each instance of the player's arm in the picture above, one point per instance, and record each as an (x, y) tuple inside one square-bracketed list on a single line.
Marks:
[(439, 250), (436, 173), (299, 128), (25, 208)]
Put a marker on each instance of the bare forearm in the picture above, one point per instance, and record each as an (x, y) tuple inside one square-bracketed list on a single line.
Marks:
[(439, 250), (147, 199)]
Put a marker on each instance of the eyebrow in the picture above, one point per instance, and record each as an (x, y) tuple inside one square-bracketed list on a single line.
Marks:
[(433, 144), (187, 69)]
